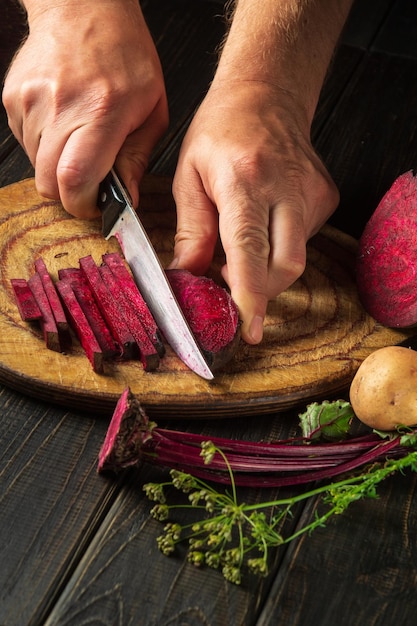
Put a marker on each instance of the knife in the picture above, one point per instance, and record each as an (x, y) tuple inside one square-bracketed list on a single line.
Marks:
[(119, 219)]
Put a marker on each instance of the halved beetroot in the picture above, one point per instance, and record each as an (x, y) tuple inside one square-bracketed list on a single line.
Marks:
[(129, 429), (211, 313), (387, 257)]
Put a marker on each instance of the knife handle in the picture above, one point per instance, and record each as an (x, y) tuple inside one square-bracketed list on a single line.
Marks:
[(112, 199)]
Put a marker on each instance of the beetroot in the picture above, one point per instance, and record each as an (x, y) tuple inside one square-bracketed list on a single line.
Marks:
[(47, 322), (129, 429), (211, 313), (104, 306), (25, 300), (387, 258), (109, 308), (115, 262), (147, 351), (90, 309), (54, 301), (81, 326), (132, 438)]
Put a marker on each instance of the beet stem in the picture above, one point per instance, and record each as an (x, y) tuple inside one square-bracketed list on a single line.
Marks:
[(253, 464)]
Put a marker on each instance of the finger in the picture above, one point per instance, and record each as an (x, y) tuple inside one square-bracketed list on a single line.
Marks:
[(287, 257), (197, 223), (245, 238), (72, 166), (133, 157), (89, 154)]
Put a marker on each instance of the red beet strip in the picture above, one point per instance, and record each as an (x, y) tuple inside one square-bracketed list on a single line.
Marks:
[(81, 326), (54, 301), (115, 262), (90, 309), (26, 303), (147, 351), (109, 308), (47, 321)]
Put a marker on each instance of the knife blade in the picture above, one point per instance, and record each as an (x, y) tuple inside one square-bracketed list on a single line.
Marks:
[(120, 220)]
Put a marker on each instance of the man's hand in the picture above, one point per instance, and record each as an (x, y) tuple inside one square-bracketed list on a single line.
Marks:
[(247, 169), (86, 90)]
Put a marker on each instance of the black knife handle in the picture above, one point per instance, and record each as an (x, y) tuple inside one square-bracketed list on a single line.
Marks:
[(111, 201)]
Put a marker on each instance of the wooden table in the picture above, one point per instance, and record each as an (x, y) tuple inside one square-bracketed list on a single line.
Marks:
[(78, 548)]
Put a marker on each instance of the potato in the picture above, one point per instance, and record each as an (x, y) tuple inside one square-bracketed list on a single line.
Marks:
[(383, 393)]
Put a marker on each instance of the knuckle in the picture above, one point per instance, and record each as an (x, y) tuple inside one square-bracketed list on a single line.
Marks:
[(249, 234), (70, 176)]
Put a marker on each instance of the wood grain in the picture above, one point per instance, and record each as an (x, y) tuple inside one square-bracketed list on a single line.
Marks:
[(316, 333)]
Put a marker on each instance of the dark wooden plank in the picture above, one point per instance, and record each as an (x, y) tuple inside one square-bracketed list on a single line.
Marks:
[(188, 57), (371, 137), (16, 166), (123, 578), (398, 35), (51, 501), (365, 19), (360, 569)]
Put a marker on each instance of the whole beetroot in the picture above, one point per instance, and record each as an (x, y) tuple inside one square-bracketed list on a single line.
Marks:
[(387, 258)]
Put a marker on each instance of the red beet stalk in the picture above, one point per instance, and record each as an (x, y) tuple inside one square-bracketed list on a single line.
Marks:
[(132, 438)]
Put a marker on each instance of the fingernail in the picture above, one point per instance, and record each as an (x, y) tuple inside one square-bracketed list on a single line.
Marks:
[(256, 329)]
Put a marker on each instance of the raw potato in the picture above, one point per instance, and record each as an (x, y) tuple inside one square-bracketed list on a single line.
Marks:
[(383, 393)]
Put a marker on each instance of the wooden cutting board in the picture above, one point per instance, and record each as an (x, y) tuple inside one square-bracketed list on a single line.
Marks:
[(316, 333)]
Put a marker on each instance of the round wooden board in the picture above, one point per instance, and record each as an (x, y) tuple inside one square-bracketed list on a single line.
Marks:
[(316, 333)]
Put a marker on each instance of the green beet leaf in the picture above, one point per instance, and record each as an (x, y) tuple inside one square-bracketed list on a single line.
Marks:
[(328, 420)]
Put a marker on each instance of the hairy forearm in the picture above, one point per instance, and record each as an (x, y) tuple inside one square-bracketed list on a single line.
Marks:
[(287, 43)]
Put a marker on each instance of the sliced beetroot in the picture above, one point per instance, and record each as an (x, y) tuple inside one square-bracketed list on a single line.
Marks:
[(387, 256), (81, 326), (47, 321), (90, 309), (109, 308), (147, 351), (55, 302), (211, 313), (25, 300), (118, 267), (129, 429)]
